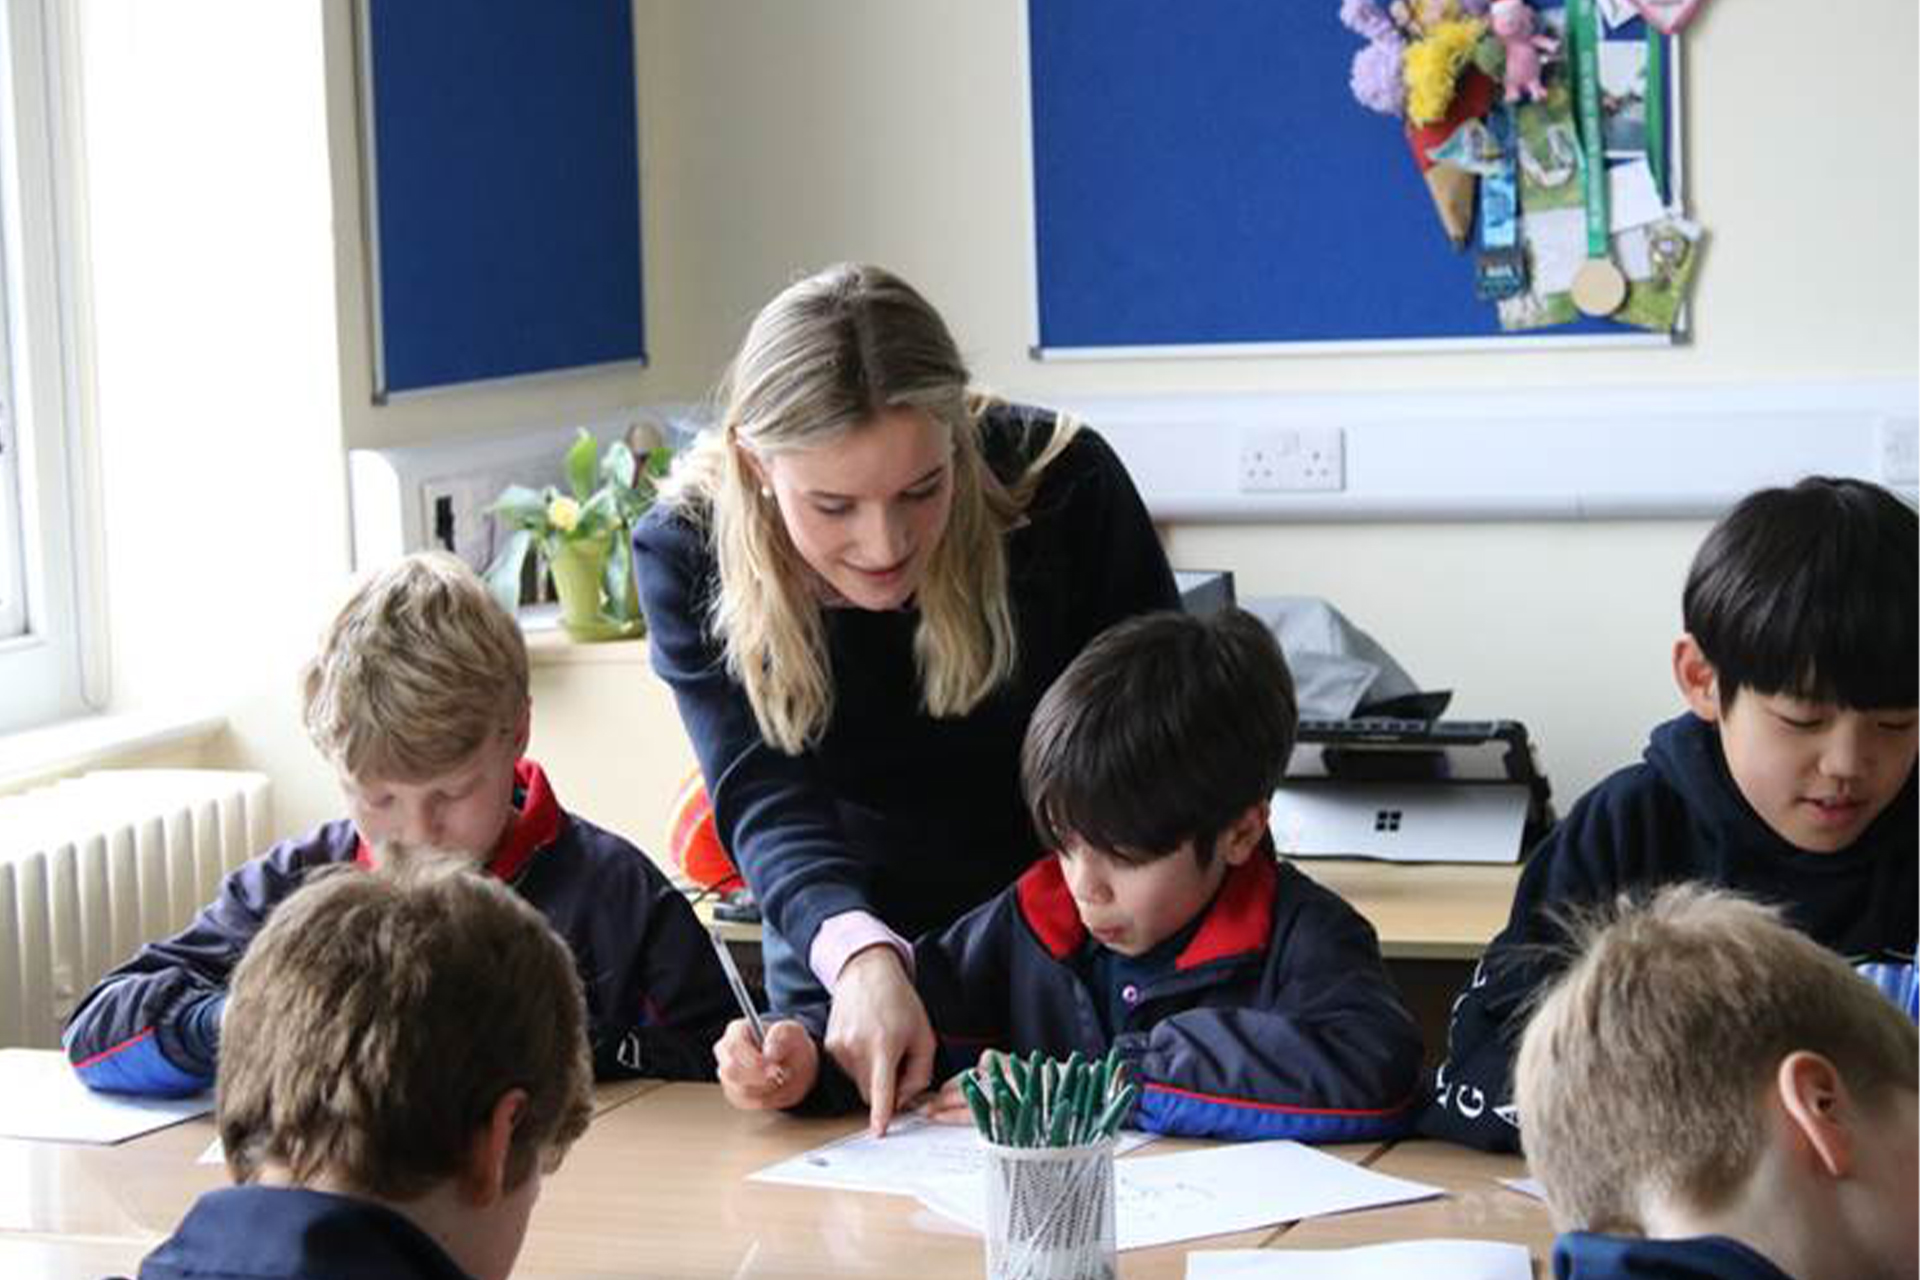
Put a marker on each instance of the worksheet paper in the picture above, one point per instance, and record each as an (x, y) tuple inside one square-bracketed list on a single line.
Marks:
[(1427, 1259), (40, 1097), (916, 1152), (1233, 1187)]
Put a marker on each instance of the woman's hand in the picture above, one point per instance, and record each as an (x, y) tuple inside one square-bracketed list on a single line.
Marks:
[(878, 1032), (770, 1077)]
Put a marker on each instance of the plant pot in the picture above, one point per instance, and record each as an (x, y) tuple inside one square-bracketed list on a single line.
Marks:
[(579, 566)]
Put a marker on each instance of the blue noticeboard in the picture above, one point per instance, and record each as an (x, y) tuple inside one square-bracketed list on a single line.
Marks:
[(1203, 177), (504, 188)]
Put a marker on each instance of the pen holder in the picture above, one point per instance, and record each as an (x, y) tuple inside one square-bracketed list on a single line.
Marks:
[(1050, 1212)]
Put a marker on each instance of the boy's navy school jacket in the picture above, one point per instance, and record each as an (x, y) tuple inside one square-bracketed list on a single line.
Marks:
[(656, 998), (291, 1233), (1676, 816), (1277, 1019), (1582, 1255)]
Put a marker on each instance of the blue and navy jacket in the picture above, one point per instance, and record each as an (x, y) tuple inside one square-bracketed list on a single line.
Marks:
[(291, 1233), (1582, 1255), (1276, 1020), (1676, 816), (656, 999)]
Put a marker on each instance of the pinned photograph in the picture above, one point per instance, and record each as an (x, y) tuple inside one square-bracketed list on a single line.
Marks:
[(1623, 96)]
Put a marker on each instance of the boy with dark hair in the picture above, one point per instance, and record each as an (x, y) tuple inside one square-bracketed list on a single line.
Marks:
[(418, 699), (1710, 1093), (405, 1057), (1248, 1001), (1791, 778)]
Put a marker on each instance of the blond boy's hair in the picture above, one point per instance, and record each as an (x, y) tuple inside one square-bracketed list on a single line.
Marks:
[(378, 1018), (1643, 1071), (419, 669), (823, 359)]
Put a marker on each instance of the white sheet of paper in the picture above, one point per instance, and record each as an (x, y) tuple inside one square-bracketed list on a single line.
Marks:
[(1428, 1259), (1632, 199), (1526, 1187), (41, 1098), (1234, 1187), (916, 1152), (214, 1154), (1557, 243)]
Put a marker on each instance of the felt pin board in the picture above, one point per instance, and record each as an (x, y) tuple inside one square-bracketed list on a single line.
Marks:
[(1204, 182), (502, 167)]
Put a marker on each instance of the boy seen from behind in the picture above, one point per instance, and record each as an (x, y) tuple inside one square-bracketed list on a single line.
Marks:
[(1709, 1093), (1248, 1001), (418, 698), (387, 1103), (1790, 778)]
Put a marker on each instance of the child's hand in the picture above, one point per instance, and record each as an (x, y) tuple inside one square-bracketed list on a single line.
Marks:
[(770, 1077), (947, 1105)]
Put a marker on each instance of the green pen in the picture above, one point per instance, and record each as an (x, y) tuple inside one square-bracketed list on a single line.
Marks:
[(977, 1103), (1004, 1111), (1115, 1112)]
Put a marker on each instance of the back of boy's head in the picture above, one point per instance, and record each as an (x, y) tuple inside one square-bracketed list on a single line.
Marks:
[(1810, 592), (1643, 1071), (420, 667), (378, 1018), (1165, 728)]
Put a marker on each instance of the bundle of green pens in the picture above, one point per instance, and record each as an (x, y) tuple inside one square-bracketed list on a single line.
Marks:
[(1032, 1102)]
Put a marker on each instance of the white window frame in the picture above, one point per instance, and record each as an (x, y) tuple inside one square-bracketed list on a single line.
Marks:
[(48, 669)]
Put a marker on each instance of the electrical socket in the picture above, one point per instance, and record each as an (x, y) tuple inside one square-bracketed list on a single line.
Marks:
[(453, 516), (1899, 440), (1292, 460)]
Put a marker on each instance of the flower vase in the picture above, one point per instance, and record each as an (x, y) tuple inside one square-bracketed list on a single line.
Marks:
[(579, 566)]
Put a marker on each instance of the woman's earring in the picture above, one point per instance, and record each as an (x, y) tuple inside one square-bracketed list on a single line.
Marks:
[(766, 491)]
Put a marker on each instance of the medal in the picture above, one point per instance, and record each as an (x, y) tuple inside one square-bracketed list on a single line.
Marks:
[(1598, 287)]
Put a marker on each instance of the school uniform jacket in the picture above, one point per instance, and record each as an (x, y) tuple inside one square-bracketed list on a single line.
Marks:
[(1676, 816), (291, 1233), (1277, 1019), (1582, 1255), (656, 999), (894, 812)]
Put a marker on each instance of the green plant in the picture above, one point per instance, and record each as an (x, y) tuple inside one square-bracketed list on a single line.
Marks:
[(606, 495)]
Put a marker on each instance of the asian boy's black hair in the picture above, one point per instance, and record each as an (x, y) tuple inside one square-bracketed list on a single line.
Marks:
[(1810, 592), (1164, 729)]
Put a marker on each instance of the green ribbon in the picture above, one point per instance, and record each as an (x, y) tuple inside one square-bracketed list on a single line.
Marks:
[(1583, 29)]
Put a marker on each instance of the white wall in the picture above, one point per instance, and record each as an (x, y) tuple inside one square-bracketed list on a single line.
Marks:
[(777, 137), (800, 134), (217, 407)]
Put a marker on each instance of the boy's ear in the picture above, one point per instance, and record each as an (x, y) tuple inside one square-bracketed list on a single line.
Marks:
[(1699, 682), (483, 1180), (1818, 1110), (1242, 837)]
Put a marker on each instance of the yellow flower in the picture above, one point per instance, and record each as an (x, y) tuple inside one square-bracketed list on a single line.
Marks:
[(563, 513)]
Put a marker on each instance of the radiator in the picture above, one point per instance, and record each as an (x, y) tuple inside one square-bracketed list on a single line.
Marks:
[(95, 865)]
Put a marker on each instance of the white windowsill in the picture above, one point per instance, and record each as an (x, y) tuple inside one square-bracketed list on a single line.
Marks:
[(73, 745)]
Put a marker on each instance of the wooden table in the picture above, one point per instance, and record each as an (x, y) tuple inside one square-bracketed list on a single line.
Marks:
[(1477, 1206), (658, 1187)]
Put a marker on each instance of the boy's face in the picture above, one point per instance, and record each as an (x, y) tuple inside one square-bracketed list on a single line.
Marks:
[(1816, 773), (464, 810), (1132, 908)]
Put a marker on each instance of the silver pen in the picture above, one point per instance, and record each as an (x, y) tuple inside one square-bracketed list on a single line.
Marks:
[(740, 993)]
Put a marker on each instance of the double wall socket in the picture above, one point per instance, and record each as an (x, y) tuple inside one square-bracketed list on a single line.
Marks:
[(1292, 460)]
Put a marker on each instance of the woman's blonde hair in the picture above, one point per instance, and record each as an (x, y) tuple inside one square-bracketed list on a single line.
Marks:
[(824, 358)]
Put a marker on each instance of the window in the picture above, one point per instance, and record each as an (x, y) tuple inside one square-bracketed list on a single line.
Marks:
[(42, 512)]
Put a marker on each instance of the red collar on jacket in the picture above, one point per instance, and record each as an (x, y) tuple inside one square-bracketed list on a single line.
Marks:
[(1238, 920), (536, 824)]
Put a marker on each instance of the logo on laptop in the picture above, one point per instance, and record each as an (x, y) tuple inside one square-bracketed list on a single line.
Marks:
[(1386, 820)]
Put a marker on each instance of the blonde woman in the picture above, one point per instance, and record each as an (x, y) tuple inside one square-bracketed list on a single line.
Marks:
[(858, 586)]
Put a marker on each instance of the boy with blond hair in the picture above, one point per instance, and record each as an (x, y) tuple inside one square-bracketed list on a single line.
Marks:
[(418, 698), (1790, 776), (387, 1104), (1247, 1001), (1723, 1098)]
